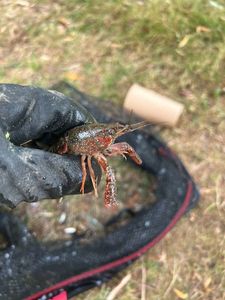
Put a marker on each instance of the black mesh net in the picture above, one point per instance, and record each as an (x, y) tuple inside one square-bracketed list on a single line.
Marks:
[(30, 269)]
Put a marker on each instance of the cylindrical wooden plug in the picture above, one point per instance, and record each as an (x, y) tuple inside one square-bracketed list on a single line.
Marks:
[(152, 106)]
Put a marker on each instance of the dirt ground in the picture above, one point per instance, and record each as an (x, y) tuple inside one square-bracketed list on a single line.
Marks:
[(102, 47)]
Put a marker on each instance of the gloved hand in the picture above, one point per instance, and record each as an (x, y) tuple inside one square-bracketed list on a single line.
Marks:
[(31, 113)]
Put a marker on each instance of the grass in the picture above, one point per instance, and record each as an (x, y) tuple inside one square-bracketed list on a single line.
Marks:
[(174, 47)]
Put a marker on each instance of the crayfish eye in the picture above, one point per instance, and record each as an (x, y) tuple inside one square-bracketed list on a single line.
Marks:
[(113, 131)]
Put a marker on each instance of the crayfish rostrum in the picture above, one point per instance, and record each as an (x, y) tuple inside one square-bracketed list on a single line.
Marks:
[(97, 140)]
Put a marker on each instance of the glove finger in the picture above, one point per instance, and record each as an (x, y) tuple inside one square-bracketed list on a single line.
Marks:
[(28, 113), (36, 174)]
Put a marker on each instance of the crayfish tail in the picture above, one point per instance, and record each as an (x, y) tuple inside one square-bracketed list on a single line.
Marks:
[(110, 190)]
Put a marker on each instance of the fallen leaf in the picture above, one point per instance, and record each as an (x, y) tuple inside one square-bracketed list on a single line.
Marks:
[(184, 41), (200, 29), (180, 294), (23, 3), (116, 46), (63, 21), (207, 282), (72, 76)]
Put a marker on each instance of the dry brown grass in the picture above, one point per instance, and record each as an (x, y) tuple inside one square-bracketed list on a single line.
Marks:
[(103, 49)]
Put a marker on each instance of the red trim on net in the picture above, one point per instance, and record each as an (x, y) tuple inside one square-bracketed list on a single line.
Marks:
[(61, 296), (122, 260)]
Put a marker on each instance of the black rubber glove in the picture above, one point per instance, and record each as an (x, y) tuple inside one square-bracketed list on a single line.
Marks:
[(31, 113)]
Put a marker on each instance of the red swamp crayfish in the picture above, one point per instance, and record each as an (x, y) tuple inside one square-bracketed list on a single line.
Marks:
[(97, 140)]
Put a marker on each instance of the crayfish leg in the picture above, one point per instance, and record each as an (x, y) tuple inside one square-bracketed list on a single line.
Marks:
[(84, 173), (92, 175), (122, 149), (110, 189)]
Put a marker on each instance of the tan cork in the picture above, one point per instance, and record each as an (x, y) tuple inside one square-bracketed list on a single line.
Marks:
[(152, 106)]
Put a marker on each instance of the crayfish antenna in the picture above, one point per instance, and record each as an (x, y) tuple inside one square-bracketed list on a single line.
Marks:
[(132, 127), (138, 125)]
